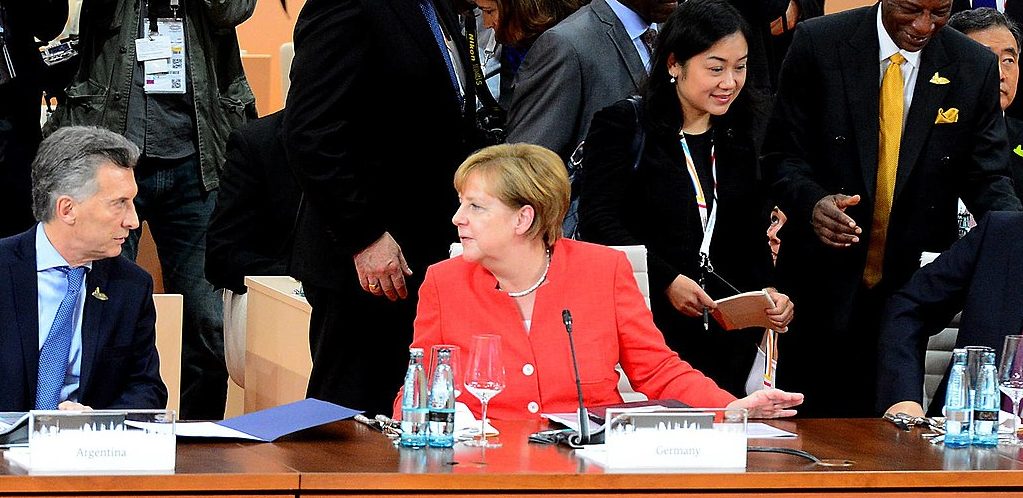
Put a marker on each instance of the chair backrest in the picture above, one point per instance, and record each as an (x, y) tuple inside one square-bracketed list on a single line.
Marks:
[(938, 356), (287, 54), (169, 309)]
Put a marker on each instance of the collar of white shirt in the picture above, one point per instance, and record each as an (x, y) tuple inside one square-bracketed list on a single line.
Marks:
[(635, 26)]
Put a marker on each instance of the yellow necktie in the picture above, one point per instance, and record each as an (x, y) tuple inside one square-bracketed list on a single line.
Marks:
[(887, 164)]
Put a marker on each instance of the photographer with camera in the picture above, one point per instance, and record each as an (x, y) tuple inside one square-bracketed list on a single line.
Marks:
[(21, 83)]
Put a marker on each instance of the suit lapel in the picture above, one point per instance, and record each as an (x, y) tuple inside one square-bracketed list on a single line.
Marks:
[(26, 304), (623, 44), (861, 73), (92, 319), (926, 97)]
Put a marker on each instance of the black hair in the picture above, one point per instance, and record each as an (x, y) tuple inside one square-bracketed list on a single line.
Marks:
[(692, 28), (970, 21)]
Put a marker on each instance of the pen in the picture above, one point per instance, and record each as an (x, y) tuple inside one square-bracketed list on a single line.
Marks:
[(706, 319)]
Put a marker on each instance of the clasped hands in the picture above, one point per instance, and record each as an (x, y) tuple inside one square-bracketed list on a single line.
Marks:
[(690, 299), (382, 268)]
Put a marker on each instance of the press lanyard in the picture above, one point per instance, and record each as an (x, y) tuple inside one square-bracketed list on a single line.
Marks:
[(707, 220)]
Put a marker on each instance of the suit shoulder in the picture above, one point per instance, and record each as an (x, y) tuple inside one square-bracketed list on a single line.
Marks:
[(1005, 225), (836, 26), (122, 268), (578, 28), (964, 48)]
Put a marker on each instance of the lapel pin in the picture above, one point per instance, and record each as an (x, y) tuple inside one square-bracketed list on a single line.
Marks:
[(939, 80), (98, 294)]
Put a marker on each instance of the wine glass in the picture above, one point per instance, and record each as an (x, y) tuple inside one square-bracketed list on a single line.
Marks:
[(455, 363), (484, 378), (1010, 378)]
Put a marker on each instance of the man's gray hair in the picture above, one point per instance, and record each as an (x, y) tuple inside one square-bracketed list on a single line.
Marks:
[(67, 162)]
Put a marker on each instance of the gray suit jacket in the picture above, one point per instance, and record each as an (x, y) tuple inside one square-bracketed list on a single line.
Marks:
[(583, 64)]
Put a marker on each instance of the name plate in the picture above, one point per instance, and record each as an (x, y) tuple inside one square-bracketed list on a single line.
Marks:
[(676, 438), (100, 441)]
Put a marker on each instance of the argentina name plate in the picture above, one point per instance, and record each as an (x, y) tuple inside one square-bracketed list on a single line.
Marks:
[(677, 439), (99, 442)]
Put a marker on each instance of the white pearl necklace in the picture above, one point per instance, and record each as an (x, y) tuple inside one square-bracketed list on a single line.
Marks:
[(538, 283)]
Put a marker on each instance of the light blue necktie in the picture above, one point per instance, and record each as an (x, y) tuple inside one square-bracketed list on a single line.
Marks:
[(430, 12), (53, 357)]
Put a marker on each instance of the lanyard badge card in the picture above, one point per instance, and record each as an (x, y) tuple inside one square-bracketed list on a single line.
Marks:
[(162, 54)]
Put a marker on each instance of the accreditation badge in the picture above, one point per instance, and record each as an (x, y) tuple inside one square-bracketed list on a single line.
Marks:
[(162, 54)]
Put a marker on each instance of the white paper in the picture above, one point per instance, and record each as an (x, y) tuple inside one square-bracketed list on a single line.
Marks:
[(157, 47), (759, 430), (199, 429), (156, 66), (466, 424)]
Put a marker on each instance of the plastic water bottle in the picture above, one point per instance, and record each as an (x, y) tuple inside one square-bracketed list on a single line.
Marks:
[(985, 408), (957, 403), (413, 402), (442, 402)]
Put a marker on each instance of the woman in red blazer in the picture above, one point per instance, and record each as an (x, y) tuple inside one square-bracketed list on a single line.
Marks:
[(515, 277)]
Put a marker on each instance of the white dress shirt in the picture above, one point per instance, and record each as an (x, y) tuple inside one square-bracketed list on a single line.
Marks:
[(635, 26)]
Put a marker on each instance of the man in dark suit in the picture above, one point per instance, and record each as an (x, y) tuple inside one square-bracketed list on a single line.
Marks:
[(980, 275), (869, 183), (250, 230), (376, 124), (1001, 36), (77, 321), (592, 59), (20, 95)]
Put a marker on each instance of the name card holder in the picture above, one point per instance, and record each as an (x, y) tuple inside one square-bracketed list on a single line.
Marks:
[(99, 442), (676, 438)]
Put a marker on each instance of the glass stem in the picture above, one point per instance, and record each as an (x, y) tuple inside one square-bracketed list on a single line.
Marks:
[(1015, 421), (483, 423)]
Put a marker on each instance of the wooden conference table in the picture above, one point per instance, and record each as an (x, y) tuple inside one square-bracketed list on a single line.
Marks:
[(347, 458)]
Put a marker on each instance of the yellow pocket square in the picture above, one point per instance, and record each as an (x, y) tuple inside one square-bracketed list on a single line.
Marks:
[(98, 294), (1018, 150), (939, 80), (947, 116)]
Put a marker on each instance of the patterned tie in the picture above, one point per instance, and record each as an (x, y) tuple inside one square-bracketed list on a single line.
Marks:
[(649, 38), (430, 13), (887, 164), (53, 357)]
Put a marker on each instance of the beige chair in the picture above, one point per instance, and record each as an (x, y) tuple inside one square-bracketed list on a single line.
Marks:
[(169, 308), (287, 55), (637, 258), (939, 355)]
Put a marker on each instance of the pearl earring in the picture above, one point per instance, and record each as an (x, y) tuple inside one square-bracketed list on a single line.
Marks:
[(671, 80)]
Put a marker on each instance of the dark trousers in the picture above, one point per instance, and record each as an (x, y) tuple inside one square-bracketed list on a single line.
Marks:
[(172, 200), (835, 369), (359, 345), (17, 149)]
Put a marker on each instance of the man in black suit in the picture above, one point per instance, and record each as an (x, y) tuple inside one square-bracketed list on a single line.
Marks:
[(1001, 36), (77, 321), (250, 230), (21, 22), (980, 275), (865, 200), (376, 124)]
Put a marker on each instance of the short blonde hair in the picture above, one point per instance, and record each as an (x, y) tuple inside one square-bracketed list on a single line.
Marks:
[(521, 175)]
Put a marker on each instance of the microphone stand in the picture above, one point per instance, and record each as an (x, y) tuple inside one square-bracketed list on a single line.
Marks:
[(583, 436)]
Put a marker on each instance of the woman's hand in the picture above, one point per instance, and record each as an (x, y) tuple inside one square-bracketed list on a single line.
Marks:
[(687, 296), (783, 310), (769, 403)]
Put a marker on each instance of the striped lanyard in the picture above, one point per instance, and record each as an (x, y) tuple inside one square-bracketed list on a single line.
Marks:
[(708, 220)]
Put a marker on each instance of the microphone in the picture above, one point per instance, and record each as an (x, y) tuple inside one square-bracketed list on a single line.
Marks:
[(583, 436)]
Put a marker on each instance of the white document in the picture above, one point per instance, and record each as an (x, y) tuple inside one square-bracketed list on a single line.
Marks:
[(174, 79), (152, 48)]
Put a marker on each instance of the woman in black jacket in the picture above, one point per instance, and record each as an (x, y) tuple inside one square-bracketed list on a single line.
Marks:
[(697, 175)]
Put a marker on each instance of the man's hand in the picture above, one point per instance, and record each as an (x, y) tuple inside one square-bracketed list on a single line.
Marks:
[(687, 296), (833, 227), (74, 407), (911, 408), (788, 22), (382, 268)]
